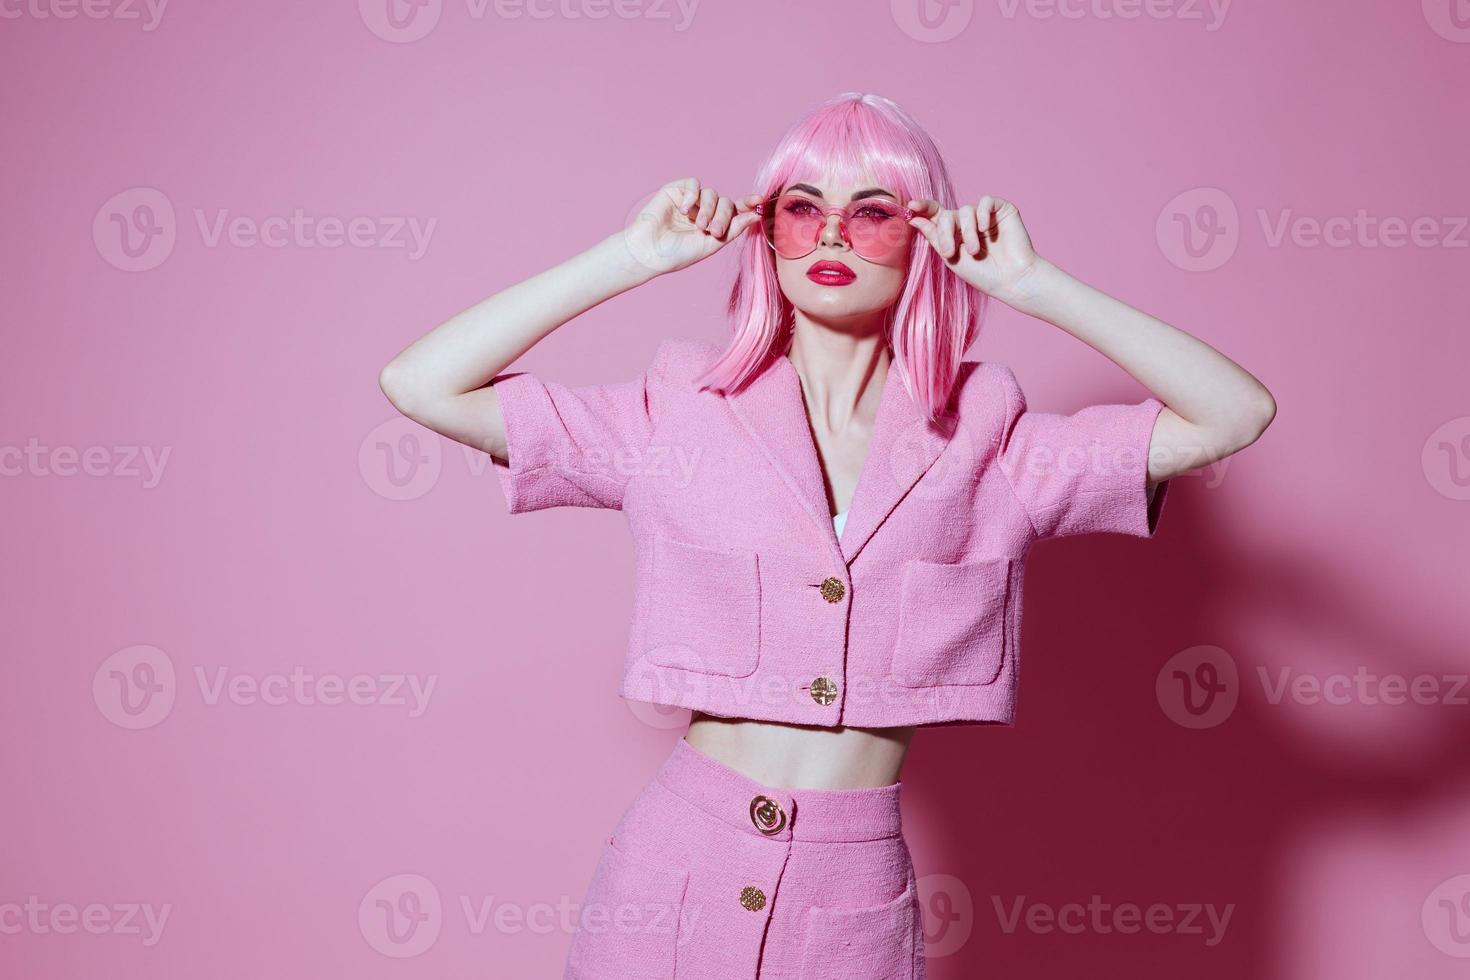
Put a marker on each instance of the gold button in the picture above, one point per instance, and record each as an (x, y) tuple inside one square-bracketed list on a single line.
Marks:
[(767, 815), (824, 690), (753, 899), (832, 589)]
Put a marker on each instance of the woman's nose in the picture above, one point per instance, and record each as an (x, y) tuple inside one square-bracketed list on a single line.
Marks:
[(832, 231)]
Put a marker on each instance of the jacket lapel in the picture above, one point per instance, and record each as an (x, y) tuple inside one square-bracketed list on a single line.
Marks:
[(903, 446)]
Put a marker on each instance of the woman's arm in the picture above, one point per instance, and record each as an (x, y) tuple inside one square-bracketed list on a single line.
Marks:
[(1214, 407), (442, 379)]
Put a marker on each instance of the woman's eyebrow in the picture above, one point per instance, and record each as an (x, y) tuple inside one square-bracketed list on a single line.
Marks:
[(870, 192)]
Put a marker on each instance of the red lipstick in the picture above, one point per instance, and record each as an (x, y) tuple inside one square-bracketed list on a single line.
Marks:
[(830, 273)]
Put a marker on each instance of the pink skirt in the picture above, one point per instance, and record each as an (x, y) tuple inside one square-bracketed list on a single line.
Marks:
[(710, 875)]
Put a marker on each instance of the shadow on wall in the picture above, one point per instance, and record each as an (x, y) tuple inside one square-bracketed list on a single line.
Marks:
[(1097, 792)]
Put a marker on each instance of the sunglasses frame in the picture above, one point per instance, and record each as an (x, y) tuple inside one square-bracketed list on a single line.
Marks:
[(843, 211)]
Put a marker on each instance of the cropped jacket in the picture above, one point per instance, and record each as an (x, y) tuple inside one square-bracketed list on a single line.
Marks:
[(749, 605)]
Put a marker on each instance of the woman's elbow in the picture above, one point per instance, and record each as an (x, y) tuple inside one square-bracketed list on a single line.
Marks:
[(397, 385), (1252, 419)]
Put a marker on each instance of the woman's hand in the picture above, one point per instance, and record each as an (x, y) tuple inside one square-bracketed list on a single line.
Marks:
[(684, 222), (984, 244)]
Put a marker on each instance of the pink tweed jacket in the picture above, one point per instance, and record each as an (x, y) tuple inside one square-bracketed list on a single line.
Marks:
[(748, 604)]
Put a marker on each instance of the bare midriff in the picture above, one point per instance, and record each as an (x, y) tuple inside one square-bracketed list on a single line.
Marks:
[(801, 756)]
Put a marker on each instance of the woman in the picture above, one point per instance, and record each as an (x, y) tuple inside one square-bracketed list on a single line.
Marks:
[(831, 517)]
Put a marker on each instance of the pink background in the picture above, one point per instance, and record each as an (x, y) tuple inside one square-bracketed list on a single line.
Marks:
[(288, 531)]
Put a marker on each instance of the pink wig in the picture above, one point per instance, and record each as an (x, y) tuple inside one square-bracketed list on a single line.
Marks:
[(937, 315)]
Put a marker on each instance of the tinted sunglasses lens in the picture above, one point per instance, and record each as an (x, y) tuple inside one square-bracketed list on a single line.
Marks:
[(877, 229), (793, 225)]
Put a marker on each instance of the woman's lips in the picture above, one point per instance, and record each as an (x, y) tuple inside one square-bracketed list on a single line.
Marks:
[(830, 273)]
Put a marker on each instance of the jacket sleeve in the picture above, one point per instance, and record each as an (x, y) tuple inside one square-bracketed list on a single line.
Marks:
[(574, 446), (1082, 473)]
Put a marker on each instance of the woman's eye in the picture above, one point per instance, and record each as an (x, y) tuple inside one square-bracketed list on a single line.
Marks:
[(803, 208), (875, 212)]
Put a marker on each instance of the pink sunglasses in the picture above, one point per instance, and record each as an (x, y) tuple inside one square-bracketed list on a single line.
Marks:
[(874, 228)]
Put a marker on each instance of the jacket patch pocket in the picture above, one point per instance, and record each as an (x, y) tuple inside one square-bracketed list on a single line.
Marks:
[(877, 943), (704, 608), (629, 922), (952, 623)]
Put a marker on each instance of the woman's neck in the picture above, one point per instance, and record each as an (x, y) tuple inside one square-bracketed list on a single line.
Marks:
[(842, 373)]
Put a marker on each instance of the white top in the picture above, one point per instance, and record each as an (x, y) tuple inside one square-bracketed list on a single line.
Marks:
[(838, 520)]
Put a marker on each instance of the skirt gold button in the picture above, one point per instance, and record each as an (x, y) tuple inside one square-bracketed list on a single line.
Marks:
[(833, 589), (753, 899), (767, 815), (824, 690)]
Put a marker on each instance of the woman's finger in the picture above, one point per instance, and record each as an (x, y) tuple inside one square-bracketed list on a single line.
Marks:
[(925, 228), (945, 234), (707, 201), (925, 207), (742, 222), (720, 223), (683, 192), (965, 218), (1003, 210), (989, 220)]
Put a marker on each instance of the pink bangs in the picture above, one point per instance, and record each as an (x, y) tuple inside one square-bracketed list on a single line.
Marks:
[(937, 315)]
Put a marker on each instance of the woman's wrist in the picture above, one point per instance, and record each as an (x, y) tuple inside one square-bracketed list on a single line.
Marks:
[(1029, 292), (621, 265)]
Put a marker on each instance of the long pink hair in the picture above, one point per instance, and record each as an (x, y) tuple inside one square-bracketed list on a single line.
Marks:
[(937, 316)]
